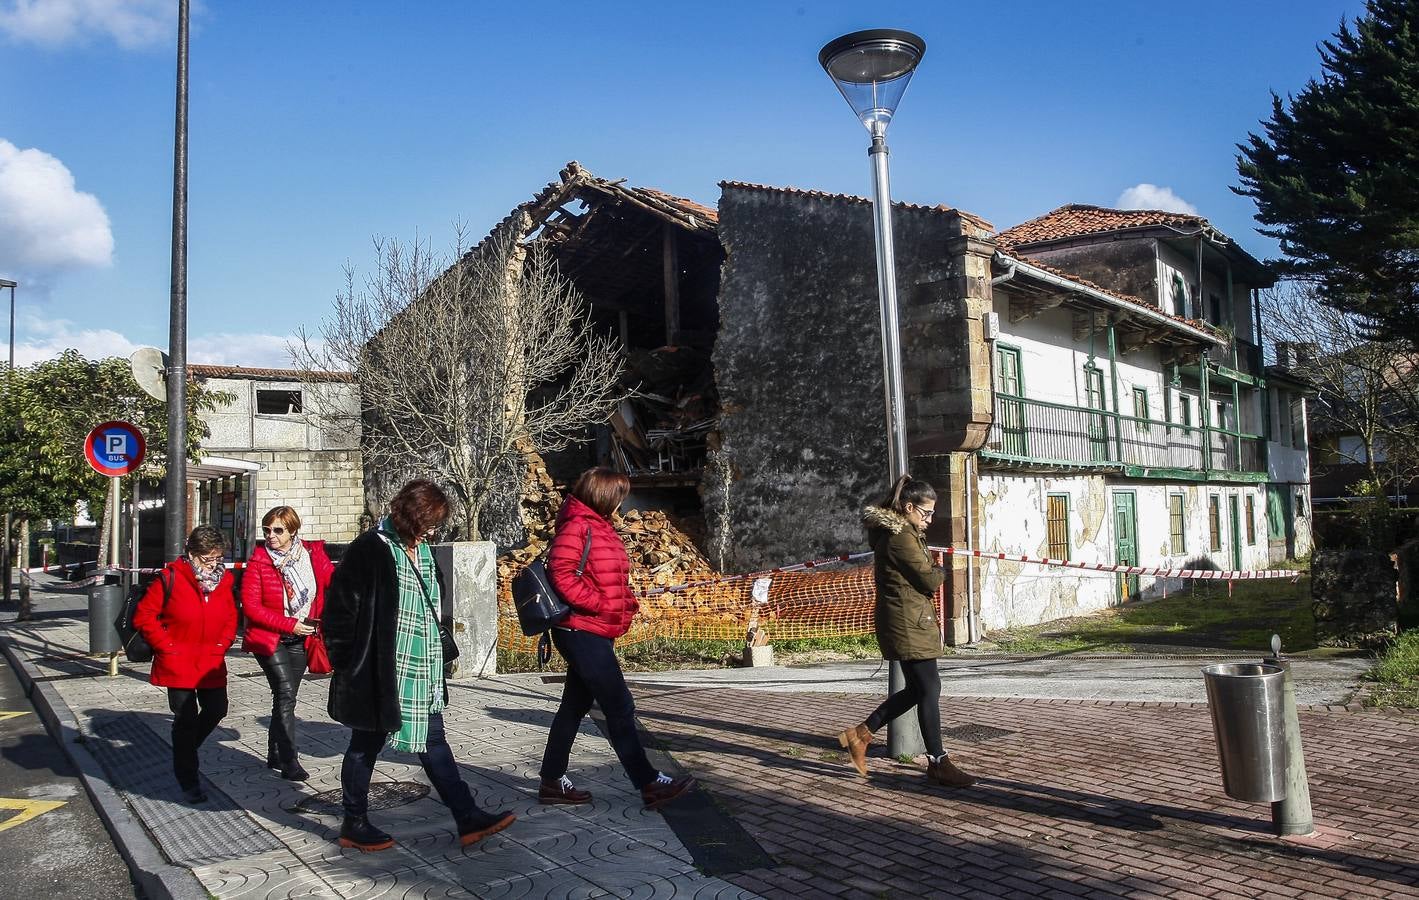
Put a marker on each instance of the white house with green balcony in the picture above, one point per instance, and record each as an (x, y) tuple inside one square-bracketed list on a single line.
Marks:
[(1134, 421)]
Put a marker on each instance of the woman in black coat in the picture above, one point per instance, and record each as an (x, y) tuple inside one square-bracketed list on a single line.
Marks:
[(382, 633)]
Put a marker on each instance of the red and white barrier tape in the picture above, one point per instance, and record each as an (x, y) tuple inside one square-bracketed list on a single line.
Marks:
[(98, 576), (1204, 574)]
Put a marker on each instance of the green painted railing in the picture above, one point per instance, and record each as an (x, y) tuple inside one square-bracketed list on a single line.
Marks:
[(1037, 431)]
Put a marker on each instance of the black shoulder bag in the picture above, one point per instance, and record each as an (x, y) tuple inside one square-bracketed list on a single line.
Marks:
[(136, 648), (539, 606)]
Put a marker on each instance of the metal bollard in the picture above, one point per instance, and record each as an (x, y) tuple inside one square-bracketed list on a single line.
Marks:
[(1292, 813)]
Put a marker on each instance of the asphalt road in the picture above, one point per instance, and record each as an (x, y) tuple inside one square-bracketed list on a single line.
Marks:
[(52, 843)]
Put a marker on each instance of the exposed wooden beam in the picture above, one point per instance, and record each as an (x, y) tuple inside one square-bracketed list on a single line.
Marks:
[(671, 258)]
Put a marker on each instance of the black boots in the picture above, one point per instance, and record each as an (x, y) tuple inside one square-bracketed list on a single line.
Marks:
[(357, 833), (482, 824)]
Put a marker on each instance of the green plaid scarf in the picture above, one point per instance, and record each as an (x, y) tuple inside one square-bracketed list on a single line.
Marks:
[(418, 652)]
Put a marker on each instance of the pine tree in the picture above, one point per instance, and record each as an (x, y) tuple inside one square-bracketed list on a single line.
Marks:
[(1336, 176)]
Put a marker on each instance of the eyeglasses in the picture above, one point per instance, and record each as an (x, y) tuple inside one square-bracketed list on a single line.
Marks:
[(268, 529), (209, 560), (926, 514)]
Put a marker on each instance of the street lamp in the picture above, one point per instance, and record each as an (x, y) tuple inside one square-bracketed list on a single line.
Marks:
[(872, 69)]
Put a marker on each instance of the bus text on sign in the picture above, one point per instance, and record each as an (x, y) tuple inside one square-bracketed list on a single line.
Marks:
[(115, 448)]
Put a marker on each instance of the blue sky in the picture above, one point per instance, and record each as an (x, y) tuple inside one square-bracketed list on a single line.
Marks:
[(318, 125)]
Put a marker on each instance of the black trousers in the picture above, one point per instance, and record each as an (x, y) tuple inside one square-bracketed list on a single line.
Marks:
[(195, 713), (594, 676), (283, 669), (437, 760), (923, 690)]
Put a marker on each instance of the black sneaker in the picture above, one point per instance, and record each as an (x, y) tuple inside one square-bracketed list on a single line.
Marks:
[(357, 833)]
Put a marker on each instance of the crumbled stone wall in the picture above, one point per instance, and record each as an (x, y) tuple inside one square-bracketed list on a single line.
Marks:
[(802, 442), (1354, 598)]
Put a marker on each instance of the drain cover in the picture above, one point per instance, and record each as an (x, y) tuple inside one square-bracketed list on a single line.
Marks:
[(383, 795), (972, 733)]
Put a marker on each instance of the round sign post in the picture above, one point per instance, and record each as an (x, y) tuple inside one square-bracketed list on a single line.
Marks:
[(115, 449)]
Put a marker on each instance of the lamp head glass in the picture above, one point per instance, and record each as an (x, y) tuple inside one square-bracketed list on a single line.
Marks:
[(872, 70)]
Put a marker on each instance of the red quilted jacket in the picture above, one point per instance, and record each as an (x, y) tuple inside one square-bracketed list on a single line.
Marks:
[(263, 597), (189, 636), (601, 599)]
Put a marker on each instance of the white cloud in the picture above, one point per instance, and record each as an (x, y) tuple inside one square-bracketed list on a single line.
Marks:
[(47, 338), (260, 351), (46, 223), (130, 23), (41, 339), (1151, 196)]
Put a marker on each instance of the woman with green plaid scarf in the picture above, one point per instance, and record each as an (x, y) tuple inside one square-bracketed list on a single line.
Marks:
[(383, 635)]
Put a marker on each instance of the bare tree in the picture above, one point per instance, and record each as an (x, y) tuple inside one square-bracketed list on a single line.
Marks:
[(463, 367), (1366, 388)]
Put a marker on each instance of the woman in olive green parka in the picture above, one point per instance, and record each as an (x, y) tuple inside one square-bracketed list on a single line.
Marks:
[(907, 628)]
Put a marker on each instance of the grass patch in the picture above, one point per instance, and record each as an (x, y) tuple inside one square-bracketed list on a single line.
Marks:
[(1203, 616), (1396, 676)]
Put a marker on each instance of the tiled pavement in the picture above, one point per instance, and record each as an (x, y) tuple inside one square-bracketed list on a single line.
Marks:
[(1076, 798), (249, 841)]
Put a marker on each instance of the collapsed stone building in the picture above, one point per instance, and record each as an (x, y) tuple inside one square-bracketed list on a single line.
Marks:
[(751, 331)]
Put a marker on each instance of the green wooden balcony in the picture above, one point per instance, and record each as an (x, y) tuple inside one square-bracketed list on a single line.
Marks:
[(1035, 434)]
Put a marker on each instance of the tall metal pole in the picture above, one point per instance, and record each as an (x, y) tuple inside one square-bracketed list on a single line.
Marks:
[(903, 733), (175, 500), (5, 544)]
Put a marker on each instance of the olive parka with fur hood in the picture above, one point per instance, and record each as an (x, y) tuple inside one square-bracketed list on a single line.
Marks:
[(906, 582)]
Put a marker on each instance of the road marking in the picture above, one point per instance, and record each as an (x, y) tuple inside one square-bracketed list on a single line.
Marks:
[(12, 715), (28, 809)]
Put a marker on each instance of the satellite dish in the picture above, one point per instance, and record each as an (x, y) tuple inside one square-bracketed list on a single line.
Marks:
[(150, 366)]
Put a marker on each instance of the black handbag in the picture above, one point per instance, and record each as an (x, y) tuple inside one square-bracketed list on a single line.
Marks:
[(446, 641), (135, 647), (539, 606)]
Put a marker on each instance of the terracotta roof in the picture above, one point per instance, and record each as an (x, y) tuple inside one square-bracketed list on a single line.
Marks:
[(204, 371), (1078, 219), (573, 179), (1204, 327), (851, 198)]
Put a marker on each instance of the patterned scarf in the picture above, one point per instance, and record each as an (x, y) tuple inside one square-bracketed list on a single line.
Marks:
[(207, 579), (297, 574), (418, 652)]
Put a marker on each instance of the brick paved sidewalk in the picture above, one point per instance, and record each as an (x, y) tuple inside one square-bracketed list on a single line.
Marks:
[(251, 841), (1075, 798)]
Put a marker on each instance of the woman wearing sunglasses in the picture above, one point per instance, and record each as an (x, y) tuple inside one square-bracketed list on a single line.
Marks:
[(907, 630), (282, 595), (188, 616)]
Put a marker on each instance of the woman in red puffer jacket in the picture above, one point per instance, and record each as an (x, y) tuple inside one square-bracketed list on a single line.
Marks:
[(188, 616), (283, 595), (603, 606)]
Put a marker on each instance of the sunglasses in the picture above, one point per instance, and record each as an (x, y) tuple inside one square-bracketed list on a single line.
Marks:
[(267, 529)]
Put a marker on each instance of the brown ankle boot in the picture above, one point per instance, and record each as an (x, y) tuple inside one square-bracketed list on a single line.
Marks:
[(856, 740), (943, 772)]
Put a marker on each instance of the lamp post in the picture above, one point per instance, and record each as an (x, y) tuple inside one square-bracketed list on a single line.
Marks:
[(175, 490), (5, 549), (872, 70)]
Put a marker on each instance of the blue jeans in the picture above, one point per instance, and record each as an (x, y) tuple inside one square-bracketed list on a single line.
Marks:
[(594, 676), (437, 760)]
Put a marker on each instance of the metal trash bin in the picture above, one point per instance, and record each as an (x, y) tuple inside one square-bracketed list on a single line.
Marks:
[(1245, 702), (105, 604)]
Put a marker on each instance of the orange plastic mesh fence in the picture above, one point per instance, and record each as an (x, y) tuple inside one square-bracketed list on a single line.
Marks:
[(820, 603)]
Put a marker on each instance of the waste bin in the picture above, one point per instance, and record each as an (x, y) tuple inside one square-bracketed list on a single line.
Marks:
[(105, 604), (1245, 701)]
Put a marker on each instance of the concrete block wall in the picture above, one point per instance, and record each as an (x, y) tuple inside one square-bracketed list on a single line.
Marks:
[(324, 486)]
